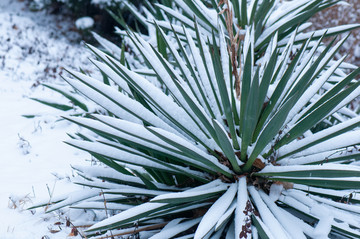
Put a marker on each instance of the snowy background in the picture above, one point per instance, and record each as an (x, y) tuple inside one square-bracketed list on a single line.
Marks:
[(34, 48)]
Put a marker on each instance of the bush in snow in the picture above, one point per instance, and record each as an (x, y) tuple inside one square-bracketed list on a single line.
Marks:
[(218, 137)]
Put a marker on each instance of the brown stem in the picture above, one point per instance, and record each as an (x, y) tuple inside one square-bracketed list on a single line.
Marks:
[(233, 47), (157, 226)]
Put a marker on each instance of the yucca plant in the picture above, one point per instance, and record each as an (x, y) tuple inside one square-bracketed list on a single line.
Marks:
[(221, 143), (268, 17)]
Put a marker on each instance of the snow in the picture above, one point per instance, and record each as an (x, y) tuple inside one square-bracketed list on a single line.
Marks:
[(33, 157), (202, 156), (84, 23), (206, 84), (210, 219), (129, 214), (242, 213), (286, 221), (36, 164), (174, 229), (275, 191), (344, 140), (120, 155), (226, 216), (268, 218), (190, 193), (311, 90), (168, 108), (317, 136), (293, 168), (105, 100), (109, 46)]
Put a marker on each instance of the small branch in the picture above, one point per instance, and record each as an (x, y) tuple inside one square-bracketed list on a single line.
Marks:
[(106, 211), (157, 226), (233, 47)]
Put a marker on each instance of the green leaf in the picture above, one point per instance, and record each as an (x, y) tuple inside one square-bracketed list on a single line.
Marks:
[(250, 115), (243, 13), (223, 90), (130, 215), (193, 195), (279, 90), (226, 146), (53, 104), (198, 13), (68, 96), (333, 91), (215, 212), (262, 229), (327, 176), (190, 151), (270, 131), (315, 116)]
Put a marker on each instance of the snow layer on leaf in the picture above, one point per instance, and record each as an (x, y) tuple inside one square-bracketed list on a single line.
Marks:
[(192, 147), (103, 101), (224, 58), (128, 215), (136, 133), (325, 216), (322, 209), (125, 190), (294, 168), (75, 197), (319, 158), (191, 13), (111, 47), (306, 228), (113, 75), (189, 194), (287, 222), (212, 184), (268, 218), (242, 213), (129, 106), (185, 170), (214, 213), (321, 134), (330, 192), (348, 207), (169, 82), (99, 172), (166, 105), (172, 231), (311, 90), (319, 33), (226, 216), (202, 73), (117, 154), (102, 206), (178, 15), (344, 140)]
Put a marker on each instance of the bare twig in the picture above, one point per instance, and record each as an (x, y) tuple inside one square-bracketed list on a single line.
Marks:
[(152, 227), (233, 46), (106, 211)]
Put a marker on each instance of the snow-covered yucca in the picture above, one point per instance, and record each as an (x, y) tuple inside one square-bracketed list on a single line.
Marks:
[(232, 139)]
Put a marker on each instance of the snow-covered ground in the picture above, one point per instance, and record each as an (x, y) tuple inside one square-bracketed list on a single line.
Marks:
[(33, 49), (347, 12)]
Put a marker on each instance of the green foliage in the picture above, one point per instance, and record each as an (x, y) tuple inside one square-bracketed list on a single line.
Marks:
[(213, 137)]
